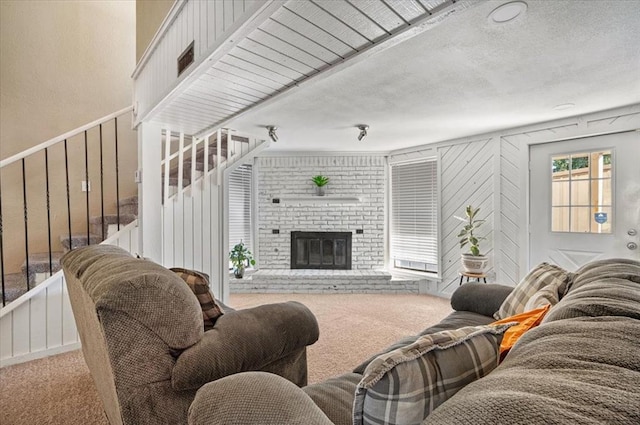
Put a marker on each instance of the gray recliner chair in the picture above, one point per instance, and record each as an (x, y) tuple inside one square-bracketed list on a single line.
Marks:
[(143, 337)]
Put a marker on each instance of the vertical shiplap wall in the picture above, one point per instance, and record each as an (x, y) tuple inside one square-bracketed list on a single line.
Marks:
[(511, 211), (492, 172), (467, 173), (190, 231), (41, 322), (202, 21)]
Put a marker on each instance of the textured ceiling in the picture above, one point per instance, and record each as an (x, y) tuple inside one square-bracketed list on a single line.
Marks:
[(467, 76)]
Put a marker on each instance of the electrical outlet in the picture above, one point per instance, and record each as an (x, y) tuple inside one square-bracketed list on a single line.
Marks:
[(86, 186), (138, 176)]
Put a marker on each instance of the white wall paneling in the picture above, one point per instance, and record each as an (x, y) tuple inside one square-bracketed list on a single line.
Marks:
[(467, 174), (491, 171), (192, 216), (40, 323), (252, 51)]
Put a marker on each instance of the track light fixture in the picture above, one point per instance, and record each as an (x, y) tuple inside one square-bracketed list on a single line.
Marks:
[(272, 132), (363, 131)]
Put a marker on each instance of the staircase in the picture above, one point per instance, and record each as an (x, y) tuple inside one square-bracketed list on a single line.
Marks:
[(42, 265), (43, 211)]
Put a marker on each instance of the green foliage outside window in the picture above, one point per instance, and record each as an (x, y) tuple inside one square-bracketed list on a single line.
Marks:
[(576, 163)]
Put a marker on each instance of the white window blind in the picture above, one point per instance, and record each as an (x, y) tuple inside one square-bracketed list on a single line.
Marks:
[(240, 207), (414, 226)]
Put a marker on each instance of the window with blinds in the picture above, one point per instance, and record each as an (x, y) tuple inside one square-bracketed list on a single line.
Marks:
[(240, 207), (414, 216)]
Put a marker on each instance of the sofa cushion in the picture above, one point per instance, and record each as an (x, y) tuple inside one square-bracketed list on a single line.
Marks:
[(199, 284), (577, 371), (602, 288), (334, 397), (481, 298), (143, 291), (405, 385), (544, 275)]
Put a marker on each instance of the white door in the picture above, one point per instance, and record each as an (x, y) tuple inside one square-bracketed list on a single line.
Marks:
[(585, 200)]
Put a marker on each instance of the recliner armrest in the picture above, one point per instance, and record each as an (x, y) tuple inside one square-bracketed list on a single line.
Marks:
[(254, 398), (481, 298), (245, 340)]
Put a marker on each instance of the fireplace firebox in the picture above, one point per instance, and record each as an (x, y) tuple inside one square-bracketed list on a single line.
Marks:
[(321, 250)]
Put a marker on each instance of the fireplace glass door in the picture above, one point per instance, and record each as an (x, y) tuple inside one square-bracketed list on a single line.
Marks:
[(321, 250)]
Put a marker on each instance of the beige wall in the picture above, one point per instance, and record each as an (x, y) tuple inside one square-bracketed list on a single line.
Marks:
[(62, 64), (149, 16)]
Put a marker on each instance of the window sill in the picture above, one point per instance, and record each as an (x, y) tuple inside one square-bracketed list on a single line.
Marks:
[(415, 273)]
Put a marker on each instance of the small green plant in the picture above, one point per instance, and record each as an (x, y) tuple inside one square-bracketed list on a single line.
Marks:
[(241, 257), (470, 225), (320, 180)]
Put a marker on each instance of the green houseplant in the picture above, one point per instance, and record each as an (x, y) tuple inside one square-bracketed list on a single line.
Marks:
[(473, 261), (320, 182), (240, 257)]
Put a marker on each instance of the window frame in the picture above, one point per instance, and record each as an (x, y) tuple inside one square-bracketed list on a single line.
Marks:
[(249, 211), (434, 269)]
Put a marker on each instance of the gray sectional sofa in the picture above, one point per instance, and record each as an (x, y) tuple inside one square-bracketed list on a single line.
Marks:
[(580, 366)]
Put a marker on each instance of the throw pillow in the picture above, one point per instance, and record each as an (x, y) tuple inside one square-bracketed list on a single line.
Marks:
[(199, 284), (544, 275), (525, 321), (404, 385)]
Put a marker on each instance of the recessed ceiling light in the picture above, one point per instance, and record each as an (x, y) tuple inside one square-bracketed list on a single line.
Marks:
[(507, 12), (564, 106)]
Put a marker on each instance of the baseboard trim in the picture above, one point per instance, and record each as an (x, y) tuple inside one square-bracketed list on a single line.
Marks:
[(39, 354)]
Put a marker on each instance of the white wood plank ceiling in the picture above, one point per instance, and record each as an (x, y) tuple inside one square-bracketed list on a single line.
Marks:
[(300, 40)]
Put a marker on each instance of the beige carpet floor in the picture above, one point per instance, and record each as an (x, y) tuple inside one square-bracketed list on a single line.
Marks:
[(59, 389)]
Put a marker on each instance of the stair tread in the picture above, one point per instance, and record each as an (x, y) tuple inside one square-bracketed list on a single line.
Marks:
[(129, 201), (14, 286), (113, 219), (79, 235)]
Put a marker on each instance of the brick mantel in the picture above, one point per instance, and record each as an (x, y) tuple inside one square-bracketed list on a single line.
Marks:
[(351, 177)]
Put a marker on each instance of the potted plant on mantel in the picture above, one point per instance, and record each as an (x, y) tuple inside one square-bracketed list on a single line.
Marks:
[(320, 182), (472, 261), (240, 257)]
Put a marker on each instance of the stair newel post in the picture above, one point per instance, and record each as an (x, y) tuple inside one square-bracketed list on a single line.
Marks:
[(194, 143), (66, 171), (26, 222), (46, 171), (206, 161), (101, 190), (218, 156), (181, 163), (86, 176), (167, 164), (115, 125), (4, 299)]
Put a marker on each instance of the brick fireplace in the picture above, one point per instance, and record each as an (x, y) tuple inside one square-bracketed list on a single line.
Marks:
[(354, 203)]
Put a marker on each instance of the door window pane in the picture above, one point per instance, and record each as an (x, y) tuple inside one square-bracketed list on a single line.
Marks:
[(560, 193), (560, 219), (581, 192)]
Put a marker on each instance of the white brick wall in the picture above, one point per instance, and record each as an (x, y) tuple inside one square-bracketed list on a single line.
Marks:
[(361, 176)]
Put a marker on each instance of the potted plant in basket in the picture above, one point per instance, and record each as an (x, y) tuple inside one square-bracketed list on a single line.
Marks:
[(472, 261), (240, 257), (320, 182)]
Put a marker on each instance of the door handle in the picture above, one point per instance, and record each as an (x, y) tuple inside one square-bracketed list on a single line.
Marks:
[(632, 232), (632, 245)]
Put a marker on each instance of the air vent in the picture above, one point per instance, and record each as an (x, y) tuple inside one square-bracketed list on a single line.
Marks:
[(185, 59)]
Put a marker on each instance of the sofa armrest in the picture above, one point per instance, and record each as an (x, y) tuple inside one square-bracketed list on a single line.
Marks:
[(250, 398), (481, 298), (245, 340)]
